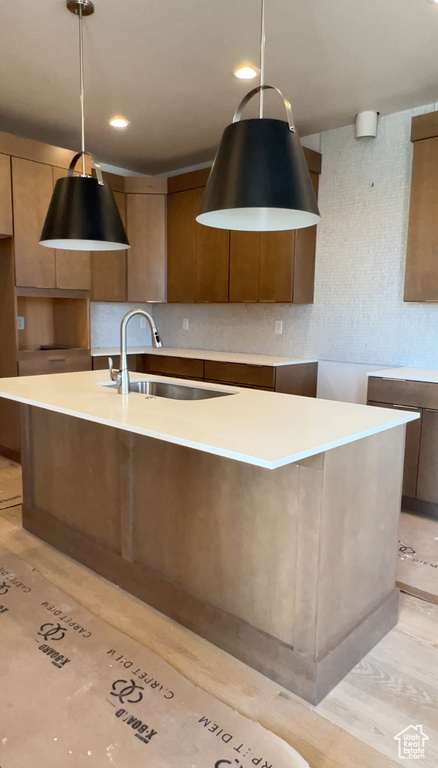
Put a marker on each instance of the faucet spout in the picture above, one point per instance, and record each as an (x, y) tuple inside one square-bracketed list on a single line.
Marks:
[(156, 342)]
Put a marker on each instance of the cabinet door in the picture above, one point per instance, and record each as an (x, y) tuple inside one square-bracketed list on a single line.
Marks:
[(108, 268), (276, 266), (421, 275), (427, 487), (212, 260), (32, 185), (146, 229), (72, 267), (182, 208), (6, 228), (244, 266), (412, 449)]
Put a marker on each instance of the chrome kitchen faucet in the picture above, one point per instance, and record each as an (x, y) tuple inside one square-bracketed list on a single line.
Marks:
[(122, 375)]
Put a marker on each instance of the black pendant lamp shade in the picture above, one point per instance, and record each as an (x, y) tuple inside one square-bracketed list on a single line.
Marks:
[(83, 216), (259, 180)]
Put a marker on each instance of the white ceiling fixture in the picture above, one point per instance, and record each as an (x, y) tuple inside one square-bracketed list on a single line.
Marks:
[(119, 122), (246, 73)]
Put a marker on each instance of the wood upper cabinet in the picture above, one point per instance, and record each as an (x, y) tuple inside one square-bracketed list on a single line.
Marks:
[(207, 264), (146, 258), (109, 268), (274, 266), (421, 275), (72, 268), (32, 186), (197, 256), (244, 266), (6, 225)]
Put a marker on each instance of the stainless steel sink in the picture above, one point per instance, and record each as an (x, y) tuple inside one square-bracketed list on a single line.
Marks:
[(173, 391)]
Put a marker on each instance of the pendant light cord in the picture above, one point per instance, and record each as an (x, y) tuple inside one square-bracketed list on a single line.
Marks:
[(81, 75), (262, 57)]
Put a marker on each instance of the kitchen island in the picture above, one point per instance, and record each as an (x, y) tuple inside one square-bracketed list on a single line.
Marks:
[(266, 523)]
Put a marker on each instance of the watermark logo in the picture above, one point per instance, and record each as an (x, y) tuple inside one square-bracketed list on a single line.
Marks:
[(411, 743)]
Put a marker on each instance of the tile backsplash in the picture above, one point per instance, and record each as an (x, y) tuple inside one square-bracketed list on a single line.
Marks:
[(105, 322)]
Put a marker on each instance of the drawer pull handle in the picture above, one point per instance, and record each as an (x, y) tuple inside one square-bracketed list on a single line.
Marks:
[(57, 359), (389, 378)]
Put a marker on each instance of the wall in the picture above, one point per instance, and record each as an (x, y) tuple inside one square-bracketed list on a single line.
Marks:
[(105, 322), (358, 320)]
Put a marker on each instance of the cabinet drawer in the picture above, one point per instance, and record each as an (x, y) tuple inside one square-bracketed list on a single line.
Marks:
[(422, 394), (174, 366), (135, 362), (53, 361), (240, 373)]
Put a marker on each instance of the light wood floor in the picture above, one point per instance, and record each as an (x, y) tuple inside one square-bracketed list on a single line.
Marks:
[(395, 686)]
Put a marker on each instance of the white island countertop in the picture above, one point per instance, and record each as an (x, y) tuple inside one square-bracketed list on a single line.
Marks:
[(263, 428), (408, 374), (205, 354)]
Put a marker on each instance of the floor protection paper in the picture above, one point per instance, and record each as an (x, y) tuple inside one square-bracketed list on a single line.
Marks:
[(76, 692)]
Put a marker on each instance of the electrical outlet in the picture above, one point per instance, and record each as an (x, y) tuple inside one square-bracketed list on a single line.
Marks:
[(185, 324), (20, 323), (142, 322), (279, 326)]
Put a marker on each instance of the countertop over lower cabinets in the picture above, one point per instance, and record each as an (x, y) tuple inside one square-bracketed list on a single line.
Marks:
[(408, 374), (206, 354)]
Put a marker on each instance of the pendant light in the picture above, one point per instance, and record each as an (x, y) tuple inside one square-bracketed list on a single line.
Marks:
[(259, 181), (83, 215)]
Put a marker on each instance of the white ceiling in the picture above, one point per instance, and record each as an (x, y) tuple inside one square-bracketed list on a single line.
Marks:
[(167, 66)]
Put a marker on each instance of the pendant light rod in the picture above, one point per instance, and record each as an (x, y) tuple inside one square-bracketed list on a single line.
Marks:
[(81, 8), (262, 58), (81, 76)]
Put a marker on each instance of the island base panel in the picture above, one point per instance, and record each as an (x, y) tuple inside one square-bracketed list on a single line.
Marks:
[(290, 570), (311, 679)]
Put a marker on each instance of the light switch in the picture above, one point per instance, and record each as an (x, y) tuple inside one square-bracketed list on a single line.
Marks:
[(279, 326), (20, 323), (186, 324)]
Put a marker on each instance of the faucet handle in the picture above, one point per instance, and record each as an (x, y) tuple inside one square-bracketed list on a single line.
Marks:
[(113, 372)]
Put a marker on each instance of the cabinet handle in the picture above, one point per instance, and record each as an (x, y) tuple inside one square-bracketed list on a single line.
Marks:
[(430, 410), (406, 407), (389, 378), (57, 359)]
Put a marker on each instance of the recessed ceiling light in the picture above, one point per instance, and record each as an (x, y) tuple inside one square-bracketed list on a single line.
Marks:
[(118, 122), (433, 2), (245, 73)]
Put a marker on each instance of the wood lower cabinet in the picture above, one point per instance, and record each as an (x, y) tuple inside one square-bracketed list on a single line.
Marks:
[(184, 367), (135, 363), (427, 485), (293, 379), (420, 480), (412, 448), (53, 361)]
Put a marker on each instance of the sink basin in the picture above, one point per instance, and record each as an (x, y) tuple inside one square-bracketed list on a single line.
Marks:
[(173, 391)]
